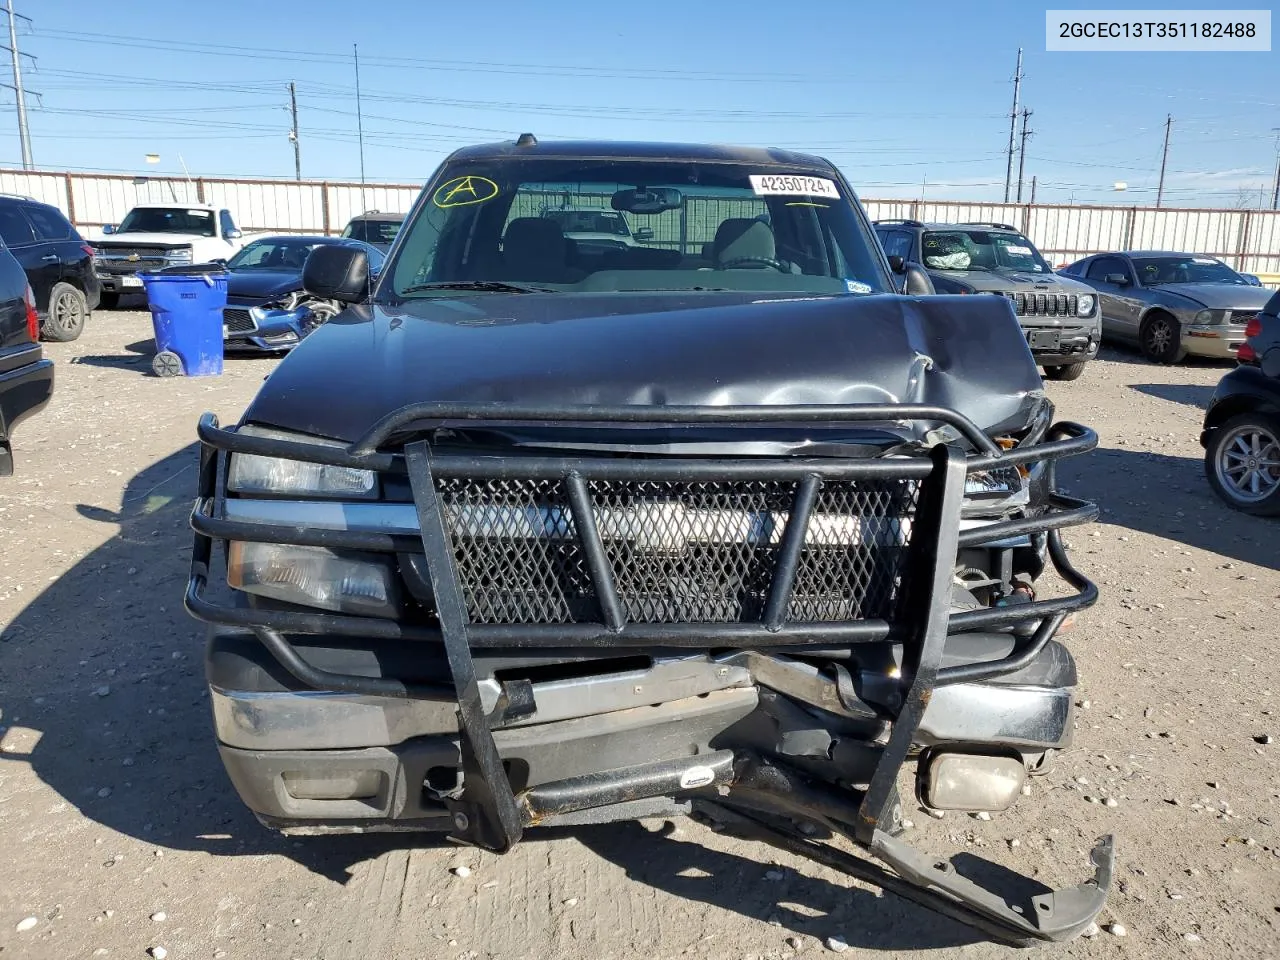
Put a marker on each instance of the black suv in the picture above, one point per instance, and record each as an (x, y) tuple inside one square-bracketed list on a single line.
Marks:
[(57, 261), (1059, 316), (719, 524), (1241, 435), (26, 377)]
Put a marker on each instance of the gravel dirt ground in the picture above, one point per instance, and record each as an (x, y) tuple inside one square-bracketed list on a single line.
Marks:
[(119, 832)]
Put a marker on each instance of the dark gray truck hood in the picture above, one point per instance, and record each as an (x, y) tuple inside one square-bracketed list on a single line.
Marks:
[(656, 349), (1013, 281)]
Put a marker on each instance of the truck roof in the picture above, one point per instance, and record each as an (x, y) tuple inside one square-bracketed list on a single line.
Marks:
[(632, 150), (177, 206)]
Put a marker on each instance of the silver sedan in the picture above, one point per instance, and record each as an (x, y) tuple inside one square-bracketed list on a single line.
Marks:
[(1171, 304)]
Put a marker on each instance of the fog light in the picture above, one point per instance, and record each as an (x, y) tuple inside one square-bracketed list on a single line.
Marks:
[(968, 781)]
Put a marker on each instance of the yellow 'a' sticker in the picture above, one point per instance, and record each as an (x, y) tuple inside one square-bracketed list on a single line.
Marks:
[(462, 191)]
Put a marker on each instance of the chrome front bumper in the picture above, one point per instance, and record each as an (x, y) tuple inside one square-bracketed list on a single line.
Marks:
[(1218, 341), (1019, 717)]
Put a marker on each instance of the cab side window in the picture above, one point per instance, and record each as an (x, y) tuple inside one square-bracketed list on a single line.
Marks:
[(15, 230), (896, 243), (1103, 267), (49, 223)]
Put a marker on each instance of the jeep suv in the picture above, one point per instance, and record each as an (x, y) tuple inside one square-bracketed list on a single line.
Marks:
[(720, 525), (1059, 316), (58, 263)]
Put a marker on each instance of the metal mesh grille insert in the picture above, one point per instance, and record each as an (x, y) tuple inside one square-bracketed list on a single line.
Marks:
[(678, 552), (237, 320)]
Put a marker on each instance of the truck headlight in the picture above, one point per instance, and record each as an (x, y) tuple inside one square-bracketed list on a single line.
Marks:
[(180, 255), (252, 473), (1084, 306), (314, 577)]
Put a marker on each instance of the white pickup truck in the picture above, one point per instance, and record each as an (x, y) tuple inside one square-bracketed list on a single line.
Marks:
[(158, 235)]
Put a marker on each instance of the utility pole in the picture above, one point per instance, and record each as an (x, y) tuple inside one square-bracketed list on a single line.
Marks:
[(293, 132), (1022, 149), (1275, 184), (24, 135), (1013, 120), (1033, 190), (1164, 156), (359, 124)]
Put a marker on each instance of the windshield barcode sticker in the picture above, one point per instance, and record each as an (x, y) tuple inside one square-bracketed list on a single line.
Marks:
[(766, 185)]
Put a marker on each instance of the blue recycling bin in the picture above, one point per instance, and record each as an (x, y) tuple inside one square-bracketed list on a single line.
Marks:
[(186, 315)]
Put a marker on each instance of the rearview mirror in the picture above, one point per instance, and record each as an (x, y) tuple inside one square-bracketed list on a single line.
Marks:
[(337, 273), (896, 263), (647, 200), (917, 282), (1119, 279), (108, 229)]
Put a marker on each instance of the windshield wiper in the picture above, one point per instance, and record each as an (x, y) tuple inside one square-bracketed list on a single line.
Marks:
[(490, 286)]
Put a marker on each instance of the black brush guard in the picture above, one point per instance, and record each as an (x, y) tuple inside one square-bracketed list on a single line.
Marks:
[(488, 813)]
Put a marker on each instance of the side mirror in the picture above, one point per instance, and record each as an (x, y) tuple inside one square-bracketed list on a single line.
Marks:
[(917, 282), (897, 264), (1251, 279), (221, 260), (108, 229), (234, 234), (1118, 279), (644, 233), (337, 273)]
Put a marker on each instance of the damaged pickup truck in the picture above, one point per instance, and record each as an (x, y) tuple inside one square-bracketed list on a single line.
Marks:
[(719, 525)]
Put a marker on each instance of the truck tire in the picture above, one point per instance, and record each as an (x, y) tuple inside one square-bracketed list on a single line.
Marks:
[(109, 301), (1066, 371), (68, 309)]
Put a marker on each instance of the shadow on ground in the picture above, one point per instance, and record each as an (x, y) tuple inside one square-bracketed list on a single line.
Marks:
[(1192, 394), (798, 902), (1168, 497), (1124, 353), (106, 666)]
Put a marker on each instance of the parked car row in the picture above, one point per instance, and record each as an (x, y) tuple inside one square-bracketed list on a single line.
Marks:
[(1168, 304)]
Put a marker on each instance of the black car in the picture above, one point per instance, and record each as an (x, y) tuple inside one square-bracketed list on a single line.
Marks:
[(58, 264), (267, 308), (1241, 435), (374, 227), (26, 376), (719, 524), (1059, 316)]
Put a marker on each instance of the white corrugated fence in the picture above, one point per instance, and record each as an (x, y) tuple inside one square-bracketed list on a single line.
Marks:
[(1249, 240)]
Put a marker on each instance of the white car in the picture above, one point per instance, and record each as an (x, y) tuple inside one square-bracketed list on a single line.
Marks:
[(158, 235)]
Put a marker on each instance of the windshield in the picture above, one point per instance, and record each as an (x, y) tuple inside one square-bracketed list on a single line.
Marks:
[(981, 250), (1154, 271), (168, 220), (372, 231), (273, 254), (706, 226)]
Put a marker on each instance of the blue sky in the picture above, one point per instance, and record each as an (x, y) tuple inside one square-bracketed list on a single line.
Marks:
[(907, 98)]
